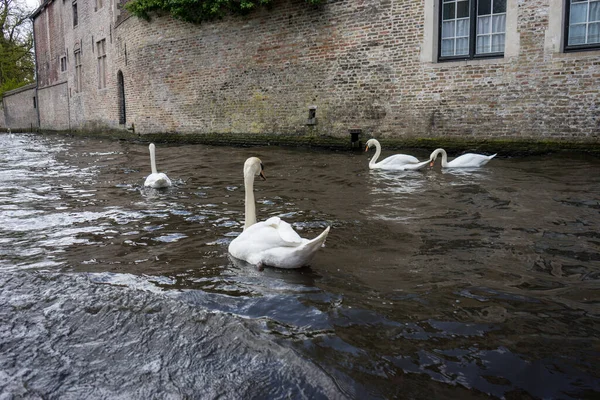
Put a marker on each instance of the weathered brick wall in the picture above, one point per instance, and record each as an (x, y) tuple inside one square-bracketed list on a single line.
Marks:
[(358, 62), (50, 46), (54, 107), (19, 109)]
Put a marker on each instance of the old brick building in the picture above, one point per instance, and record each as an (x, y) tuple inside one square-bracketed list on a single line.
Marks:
[(395, 68)]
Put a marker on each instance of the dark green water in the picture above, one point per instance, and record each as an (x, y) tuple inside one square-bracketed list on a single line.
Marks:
[(432, 284)]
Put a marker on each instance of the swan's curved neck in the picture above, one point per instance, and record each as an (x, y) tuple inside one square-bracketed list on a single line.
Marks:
[(153, 160), (250, 207), (444, 156), (377, 154)]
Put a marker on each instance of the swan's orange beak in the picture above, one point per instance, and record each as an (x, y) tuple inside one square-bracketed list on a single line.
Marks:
[(366, 149), (431, 164), (262, 175)]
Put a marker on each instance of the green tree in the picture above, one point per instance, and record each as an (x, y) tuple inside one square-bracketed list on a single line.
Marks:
[(197, 11), (17, 65)]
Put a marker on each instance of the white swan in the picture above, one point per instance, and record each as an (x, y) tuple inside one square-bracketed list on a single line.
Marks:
[(156, 179), (400, 162), (272, 242), (469, 160)]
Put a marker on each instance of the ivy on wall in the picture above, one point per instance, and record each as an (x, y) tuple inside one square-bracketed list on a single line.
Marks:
[(197, 11)]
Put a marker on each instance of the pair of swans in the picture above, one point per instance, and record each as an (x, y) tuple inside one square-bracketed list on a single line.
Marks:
[(272, 242), (405, 162)]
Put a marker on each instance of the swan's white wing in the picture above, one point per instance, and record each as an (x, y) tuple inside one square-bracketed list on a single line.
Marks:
[(157, 181), (273, 242), (470, 160), (292, 257), (285, 231), (399, 159)]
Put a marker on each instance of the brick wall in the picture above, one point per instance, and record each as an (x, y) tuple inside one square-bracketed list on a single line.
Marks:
[(359, 62), (54, 107), (20, 113)]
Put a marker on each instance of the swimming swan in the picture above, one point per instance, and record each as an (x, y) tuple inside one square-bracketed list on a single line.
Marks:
[(469, 160), (400, 162), (156, 179), (272, 242)]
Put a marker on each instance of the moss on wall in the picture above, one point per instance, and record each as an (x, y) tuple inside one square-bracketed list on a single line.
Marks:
[(504, 147)]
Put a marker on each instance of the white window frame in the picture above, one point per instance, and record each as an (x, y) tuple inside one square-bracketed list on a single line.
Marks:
[(430, 44)]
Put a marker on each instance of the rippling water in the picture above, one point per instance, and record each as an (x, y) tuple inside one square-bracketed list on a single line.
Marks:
[(432, 284)]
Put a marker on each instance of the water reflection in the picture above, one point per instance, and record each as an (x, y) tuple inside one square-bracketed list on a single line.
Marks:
[(454, 282)]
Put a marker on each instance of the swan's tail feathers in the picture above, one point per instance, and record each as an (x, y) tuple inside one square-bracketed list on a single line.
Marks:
[(315, 244), (416, 167), (486, 160)]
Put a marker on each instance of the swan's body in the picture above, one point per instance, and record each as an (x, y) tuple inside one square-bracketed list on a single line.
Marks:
[(400, 162), (272, 242), (156, 179), (469, 160)]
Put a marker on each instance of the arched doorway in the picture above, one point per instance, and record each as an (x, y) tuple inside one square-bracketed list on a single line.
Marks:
[(121, 96)]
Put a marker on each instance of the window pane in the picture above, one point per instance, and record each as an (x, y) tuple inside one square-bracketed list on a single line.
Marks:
[(462, 10), (498, 23), (498, 43), (448, 47), (462, 27), (578, 13), (499, 6), (577, 34), (448, 29), (594, 33), (484, 7), (484, 25), (595, 11), (462, 46), (449, 11), (483, 44)]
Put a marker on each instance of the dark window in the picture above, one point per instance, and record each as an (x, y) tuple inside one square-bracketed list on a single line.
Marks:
[(78, 76), (63, 64), (34, 102), (121, 98), (101, 47), (75, 16), (472, 29), (582, 25)]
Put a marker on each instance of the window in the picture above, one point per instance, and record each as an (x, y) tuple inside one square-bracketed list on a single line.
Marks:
[(98, 4), (77, 70), (101, 47), (75, 16), (34, 102), (582, 25), (472, 29), (63, 64)]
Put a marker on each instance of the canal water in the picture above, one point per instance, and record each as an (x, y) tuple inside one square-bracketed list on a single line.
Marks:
[(432, 284)]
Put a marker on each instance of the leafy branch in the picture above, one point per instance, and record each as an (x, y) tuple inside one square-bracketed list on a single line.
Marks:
[(197, 11)]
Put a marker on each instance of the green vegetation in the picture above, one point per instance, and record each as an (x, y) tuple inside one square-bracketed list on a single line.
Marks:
[(197, 11), (17, 65)]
